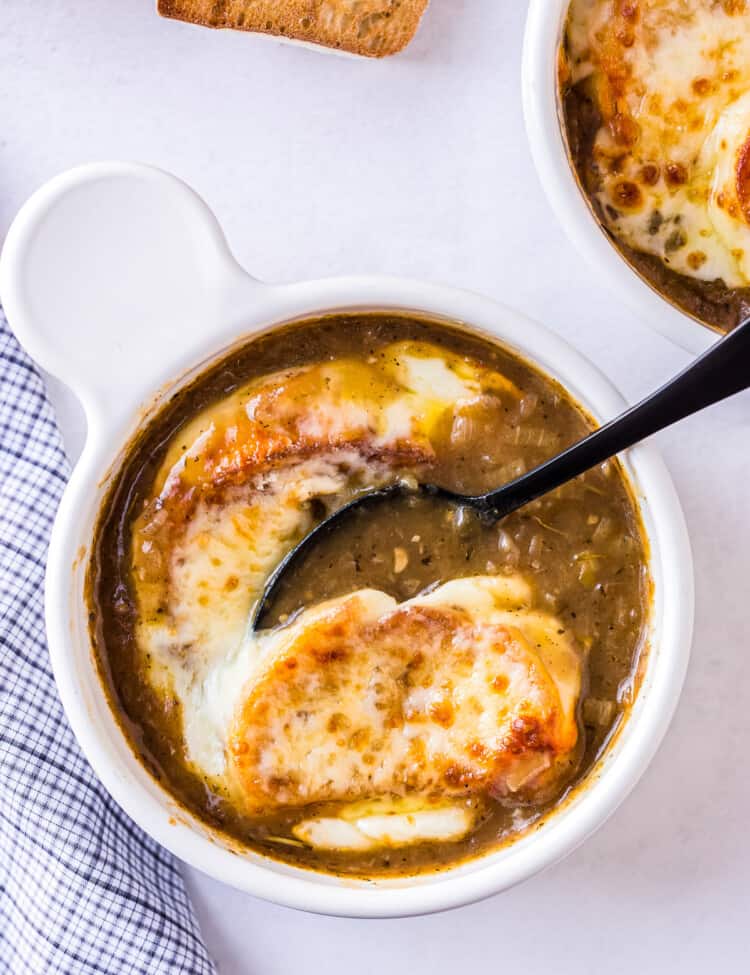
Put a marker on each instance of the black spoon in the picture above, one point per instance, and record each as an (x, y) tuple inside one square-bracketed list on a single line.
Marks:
[(720, 372)]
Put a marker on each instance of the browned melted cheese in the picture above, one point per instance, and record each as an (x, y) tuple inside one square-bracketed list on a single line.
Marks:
[(463, 693), (234, 494), (671, 82), (360, 424)]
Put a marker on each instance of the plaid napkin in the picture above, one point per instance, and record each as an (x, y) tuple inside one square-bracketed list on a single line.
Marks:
[(82, 889)]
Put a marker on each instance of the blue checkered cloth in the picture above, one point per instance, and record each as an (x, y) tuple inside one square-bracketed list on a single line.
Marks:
[(82, 889)]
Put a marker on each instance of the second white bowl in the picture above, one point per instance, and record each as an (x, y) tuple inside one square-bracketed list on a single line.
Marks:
[(544, 126)]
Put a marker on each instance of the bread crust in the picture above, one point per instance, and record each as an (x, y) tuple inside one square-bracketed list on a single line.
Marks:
[(373, 28)]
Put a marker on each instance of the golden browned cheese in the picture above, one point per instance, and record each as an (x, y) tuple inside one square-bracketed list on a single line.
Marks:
[(253, 445), (374, 28), (248, 476), (428, 698), (670, 82), (270, 447)]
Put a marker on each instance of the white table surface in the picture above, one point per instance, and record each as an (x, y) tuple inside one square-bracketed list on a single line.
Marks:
[(418, 165)]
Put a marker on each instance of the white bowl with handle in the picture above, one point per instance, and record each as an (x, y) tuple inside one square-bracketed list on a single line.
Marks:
[(545, 24), (118, 280)]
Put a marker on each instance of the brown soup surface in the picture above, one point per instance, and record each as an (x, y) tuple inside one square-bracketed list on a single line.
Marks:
[(580, 550)]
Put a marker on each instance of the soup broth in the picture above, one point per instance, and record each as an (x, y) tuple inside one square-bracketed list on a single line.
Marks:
[(580, 552)]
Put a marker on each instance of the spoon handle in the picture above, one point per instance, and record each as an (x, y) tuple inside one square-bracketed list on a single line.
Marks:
[(720, 372)]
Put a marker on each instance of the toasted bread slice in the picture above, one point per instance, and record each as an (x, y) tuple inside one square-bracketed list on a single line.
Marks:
[(374, 28), (449, 694)]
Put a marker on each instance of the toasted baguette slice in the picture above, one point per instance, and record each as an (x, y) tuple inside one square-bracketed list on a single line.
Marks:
[(374, 28)]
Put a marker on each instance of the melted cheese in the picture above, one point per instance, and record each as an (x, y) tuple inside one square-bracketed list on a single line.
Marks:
[(388, 824), (232, 497), (465, 692), (670, 79)]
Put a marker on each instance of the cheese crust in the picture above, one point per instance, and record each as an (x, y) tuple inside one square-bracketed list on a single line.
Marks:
[(236, 491), (462, 693), (670, 82)]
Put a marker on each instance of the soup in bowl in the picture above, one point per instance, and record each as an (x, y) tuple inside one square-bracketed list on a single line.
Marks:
[(432, 685), (439, 708)]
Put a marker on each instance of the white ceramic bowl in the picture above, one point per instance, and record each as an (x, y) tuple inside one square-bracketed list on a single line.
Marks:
[(544, 28), (118, 280)]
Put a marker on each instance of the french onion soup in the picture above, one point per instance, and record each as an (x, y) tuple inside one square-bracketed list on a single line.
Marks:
[(432, 685), (656, 105)]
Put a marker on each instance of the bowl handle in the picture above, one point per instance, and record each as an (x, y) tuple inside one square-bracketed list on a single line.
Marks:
[(114, 274)]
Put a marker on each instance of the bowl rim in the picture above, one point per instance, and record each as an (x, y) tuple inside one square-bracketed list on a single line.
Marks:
[(545, 133), (566, 828)]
